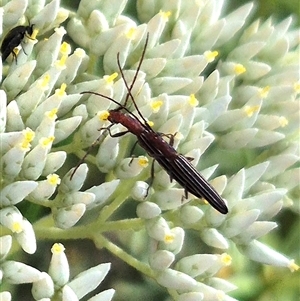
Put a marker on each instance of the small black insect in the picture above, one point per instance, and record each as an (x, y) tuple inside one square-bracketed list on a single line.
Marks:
[(13, 39), (175, 164)]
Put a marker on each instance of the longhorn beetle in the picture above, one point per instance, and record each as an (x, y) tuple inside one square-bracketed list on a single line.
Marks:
[(176, 165), (13, 39)]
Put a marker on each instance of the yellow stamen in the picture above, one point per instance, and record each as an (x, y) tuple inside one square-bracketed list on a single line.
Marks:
[(28, 134), (45, 81), (65, 48), (165, 15), (52, 114), (34, 34), (226, 259), (193, 100), (250, 110), (293, 266), (53, 179), (155, 105), (45, 141), (62, 62), (143, 161), (239, 69), (61, 91), (169, 238), (17, 227), (150, 123), (110, 78), (211, 55), (264, 91), (130, 34), (103, 115), (57, 248)]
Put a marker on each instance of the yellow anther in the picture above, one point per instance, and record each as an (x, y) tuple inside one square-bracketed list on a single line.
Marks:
[(57, 248), (193, 101), (150, 123), (45, 81), (52, 114), (28, 134), (226, 259), (62, 62), (239, 69), (264, 91), (34, 34), (110, 78), (61, 91), (165, 15), (103, 115), (250, 110), (143, 161), (211, 55), (155, 105), (17, 227), (293, 266), (130, 34), (169, 238), (65, 48), (45, 141), (53, 179)]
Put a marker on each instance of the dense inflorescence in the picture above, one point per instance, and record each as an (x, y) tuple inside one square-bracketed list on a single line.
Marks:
[(215, 81)]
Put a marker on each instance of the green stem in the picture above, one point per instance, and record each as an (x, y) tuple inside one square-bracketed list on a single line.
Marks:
[(101, 241)]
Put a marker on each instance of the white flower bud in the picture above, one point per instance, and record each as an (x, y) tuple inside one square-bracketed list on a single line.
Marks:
[(18, 273), (147, 210), (131, 167), (67, 217), (68, 294), (88, 280), (174, 240), (169, 199), (158, 228), (26, 238), (78, 197), (259, 252), (193, 296), (107, 154), (15, 192), (161, 259), (140, 191), (11, 218), (5, 296), (240, 222), (214, 238), (43, 288), (16, 80), (5, 245), (222, 284), (45, 189), (66, 127), (190, 214), (102, 192), (103, 296), (173, 279), (59, 266), (67, 184)]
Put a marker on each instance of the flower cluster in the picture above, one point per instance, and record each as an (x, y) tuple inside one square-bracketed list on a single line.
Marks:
[(210, 81), (55, 283)]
